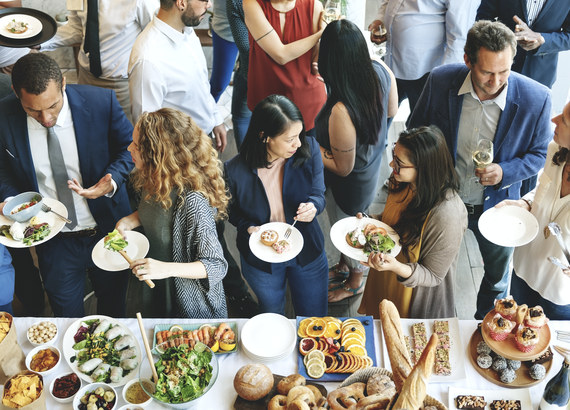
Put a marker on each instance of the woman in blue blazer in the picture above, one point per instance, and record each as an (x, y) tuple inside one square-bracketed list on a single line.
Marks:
[(278, 177)]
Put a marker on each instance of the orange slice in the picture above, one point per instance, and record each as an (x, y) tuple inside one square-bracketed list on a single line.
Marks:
[(357, 349), (316, 328), (331, 330), (302, 331)]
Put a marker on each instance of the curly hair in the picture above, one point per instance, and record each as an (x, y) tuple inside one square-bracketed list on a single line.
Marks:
[(176, 154), (33, 73)]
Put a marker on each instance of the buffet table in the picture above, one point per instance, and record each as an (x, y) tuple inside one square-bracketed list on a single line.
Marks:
[(222, 396)]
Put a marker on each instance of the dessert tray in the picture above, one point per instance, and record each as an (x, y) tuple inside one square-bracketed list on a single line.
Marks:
[(522, 395)]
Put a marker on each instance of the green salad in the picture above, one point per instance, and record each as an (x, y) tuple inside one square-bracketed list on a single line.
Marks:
[(378, 243), (114, 241), (183, 374)]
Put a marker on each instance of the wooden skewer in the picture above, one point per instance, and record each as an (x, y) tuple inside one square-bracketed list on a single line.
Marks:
[(147, 348), (149, 282)]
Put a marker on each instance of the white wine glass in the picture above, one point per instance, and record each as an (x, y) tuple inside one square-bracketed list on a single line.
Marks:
[(332, 11), (379, 49), (482, 157)]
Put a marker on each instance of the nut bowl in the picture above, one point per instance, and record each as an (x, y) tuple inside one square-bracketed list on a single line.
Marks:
[(170, 349), (91, 388), (38, 333), (24, 215), (35, 350), (67, 399), (149, 386)]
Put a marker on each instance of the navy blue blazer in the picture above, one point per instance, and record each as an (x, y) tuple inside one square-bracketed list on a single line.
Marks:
[(103, 134), (522, 134), (553, 22), (250, 206)]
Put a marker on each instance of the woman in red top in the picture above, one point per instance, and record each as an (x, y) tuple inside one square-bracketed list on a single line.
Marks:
[(283, 38)]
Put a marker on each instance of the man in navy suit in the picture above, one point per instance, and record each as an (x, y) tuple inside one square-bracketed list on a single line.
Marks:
[(91, 135), (485, 100)]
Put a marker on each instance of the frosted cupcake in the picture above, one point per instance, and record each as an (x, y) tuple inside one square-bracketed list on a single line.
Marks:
[(535, 318), (500, 327), (506, 307), (527, 338)]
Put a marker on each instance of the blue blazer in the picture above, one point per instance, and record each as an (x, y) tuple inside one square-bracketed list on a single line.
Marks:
[(553, 22), (522, 134), (250, 206), (103, 134)]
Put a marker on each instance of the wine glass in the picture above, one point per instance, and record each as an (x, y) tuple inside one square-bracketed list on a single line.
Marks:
[(379, 49), (332, 11), (482, 158)]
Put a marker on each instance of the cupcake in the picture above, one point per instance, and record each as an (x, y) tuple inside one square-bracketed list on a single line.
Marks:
[(506, 307), (527, 338), (282, 246), (535, 318), (500, 327)]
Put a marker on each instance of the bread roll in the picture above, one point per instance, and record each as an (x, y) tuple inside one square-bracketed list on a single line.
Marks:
[(414, 390), (395, 343), (287, 383), (253, 381)]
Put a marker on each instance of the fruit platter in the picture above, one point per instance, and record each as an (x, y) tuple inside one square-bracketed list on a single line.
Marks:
[(331, 349), (221, 338)]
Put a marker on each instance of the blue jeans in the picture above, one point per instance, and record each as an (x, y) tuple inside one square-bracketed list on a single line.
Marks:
[(524, 294), (496, 278), (225, 53), (7, 308), (308, 284), (241, 115)]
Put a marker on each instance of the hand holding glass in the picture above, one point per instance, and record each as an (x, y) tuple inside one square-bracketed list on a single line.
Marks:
[(482, 158), (332, 11)]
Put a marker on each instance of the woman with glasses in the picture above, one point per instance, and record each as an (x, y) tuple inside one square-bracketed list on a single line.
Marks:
[(423, 207), (351, 129)]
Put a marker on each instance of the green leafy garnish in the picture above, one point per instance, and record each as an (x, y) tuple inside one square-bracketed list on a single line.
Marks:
[(115, 241)]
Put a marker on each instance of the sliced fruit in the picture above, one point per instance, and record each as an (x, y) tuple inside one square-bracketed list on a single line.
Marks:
[(306, 345), (215, 346), (356, 349), (332, 327), (315, 360), (302, 331), (160, 348), (358, 331), (316, 370), (316, 328), (352, 320), (316, 354), (176, 328), (227, 344), (330, 363), (333, 319), (352, 340), (199, 347)]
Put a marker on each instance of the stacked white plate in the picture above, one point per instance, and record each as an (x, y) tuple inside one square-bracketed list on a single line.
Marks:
[(268, 338)]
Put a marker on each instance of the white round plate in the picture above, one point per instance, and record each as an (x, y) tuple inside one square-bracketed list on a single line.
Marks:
[(34, 26), (508, 226), (346, 225), (267, 253), (268, 335), (54, 221), (68, 351), (113, 261)]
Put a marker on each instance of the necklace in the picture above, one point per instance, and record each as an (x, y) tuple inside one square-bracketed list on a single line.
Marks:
[(546, 231)]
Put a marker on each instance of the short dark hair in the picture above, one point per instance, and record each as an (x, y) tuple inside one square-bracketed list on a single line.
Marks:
[(493, 35), (272, 116), (166, 4), (33, 73)]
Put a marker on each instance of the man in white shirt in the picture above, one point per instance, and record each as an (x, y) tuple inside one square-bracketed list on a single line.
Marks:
[(167, 68), (119, 22)]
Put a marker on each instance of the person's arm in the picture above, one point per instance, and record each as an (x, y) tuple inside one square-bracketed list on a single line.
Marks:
[(66, 35), (237, 25), (543, 43), (342, 136), (421, 114), (128, 223), (237, 216), (317, 196), (379, 19), (393, 95), (147, 88), (317, 13), (264, 34), (459, 18)]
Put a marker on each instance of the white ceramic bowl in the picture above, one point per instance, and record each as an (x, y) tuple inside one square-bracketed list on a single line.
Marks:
[(35, 350), (91, 388), (131, 407), (49, 342), (68, 399), (129, 384), (27, 213)]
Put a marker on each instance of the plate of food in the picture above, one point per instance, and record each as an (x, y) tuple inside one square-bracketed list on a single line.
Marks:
[(508, 226), (449, 361), (466, 398), (357, 238), (20, 26), (111, 260), (331, 349), (100, 349), (38, 230), (270, 245), (220, 337)]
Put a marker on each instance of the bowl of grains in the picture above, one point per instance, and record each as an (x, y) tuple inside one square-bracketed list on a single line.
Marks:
[(42, 333)]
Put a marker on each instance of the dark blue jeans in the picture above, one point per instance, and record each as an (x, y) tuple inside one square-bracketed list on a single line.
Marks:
[(496, 278), (308, 284), (524, 294), (241, 115), (225, 53)]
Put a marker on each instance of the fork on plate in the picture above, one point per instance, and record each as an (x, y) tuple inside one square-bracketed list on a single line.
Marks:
[(46, 208), (289, 230)]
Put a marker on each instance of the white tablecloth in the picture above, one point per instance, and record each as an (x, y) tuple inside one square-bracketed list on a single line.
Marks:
[(223, 395)]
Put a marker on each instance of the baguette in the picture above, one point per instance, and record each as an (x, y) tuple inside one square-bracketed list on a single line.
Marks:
[(415, 388), (395, 343)]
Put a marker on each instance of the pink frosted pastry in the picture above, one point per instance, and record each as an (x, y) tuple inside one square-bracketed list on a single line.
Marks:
[(527, 338), (500, 327), (535, 317), (282, 246), (506, 307)]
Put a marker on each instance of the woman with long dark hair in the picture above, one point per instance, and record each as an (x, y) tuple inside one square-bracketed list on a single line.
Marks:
[(423, 207), (351, 129), (278, 177)]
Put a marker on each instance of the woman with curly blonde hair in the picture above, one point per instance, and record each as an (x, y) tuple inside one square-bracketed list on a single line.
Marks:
[(182, 193)]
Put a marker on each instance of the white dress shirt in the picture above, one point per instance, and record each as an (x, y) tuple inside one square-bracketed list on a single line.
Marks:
[(120, 22), (423, 34), (167, 68), (9, 56)]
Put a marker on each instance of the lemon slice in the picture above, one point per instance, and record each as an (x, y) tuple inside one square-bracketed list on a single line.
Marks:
[(227, 345), (215, 347), (316, 354), (176, 328), (318, 361), (316, 370), (160, 349)]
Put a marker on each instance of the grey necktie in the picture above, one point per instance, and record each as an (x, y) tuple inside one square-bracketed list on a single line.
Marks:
[(57, 163)]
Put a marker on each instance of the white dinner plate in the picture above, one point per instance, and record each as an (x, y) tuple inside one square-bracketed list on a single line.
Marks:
[(346, 225), (54, 221), (68, 352), (113, 261), (508, 226), (267, 253), (34, 26), (269, 335), (522, 395)]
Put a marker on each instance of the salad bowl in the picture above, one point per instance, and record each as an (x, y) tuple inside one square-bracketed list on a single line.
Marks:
[(19, 200), (200, 357)]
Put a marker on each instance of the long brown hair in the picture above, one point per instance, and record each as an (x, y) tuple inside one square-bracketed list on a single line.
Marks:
[(177, 154)]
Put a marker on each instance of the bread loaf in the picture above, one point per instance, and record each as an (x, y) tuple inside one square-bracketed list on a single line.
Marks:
[(395, 343), (414, 389), (253, 381)]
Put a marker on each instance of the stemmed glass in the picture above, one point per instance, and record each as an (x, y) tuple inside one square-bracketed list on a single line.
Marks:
[(379, 49), (482, 158), (332, 11)]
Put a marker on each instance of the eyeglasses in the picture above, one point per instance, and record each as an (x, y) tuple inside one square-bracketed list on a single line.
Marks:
[(396, 160)]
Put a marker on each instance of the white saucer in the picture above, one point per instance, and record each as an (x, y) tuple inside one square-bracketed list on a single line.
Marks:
[(34, 26), (113, 261), (508, 226), (267, 253)]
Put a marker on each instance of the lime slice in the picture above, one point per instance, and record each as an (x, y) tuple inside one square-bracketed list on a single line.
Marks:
[(199, 347), (160, 349), (176, 328)]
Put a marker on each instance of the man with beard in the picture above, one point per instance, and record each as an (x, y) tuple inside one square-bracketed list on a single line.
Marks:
[(167, 68)]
